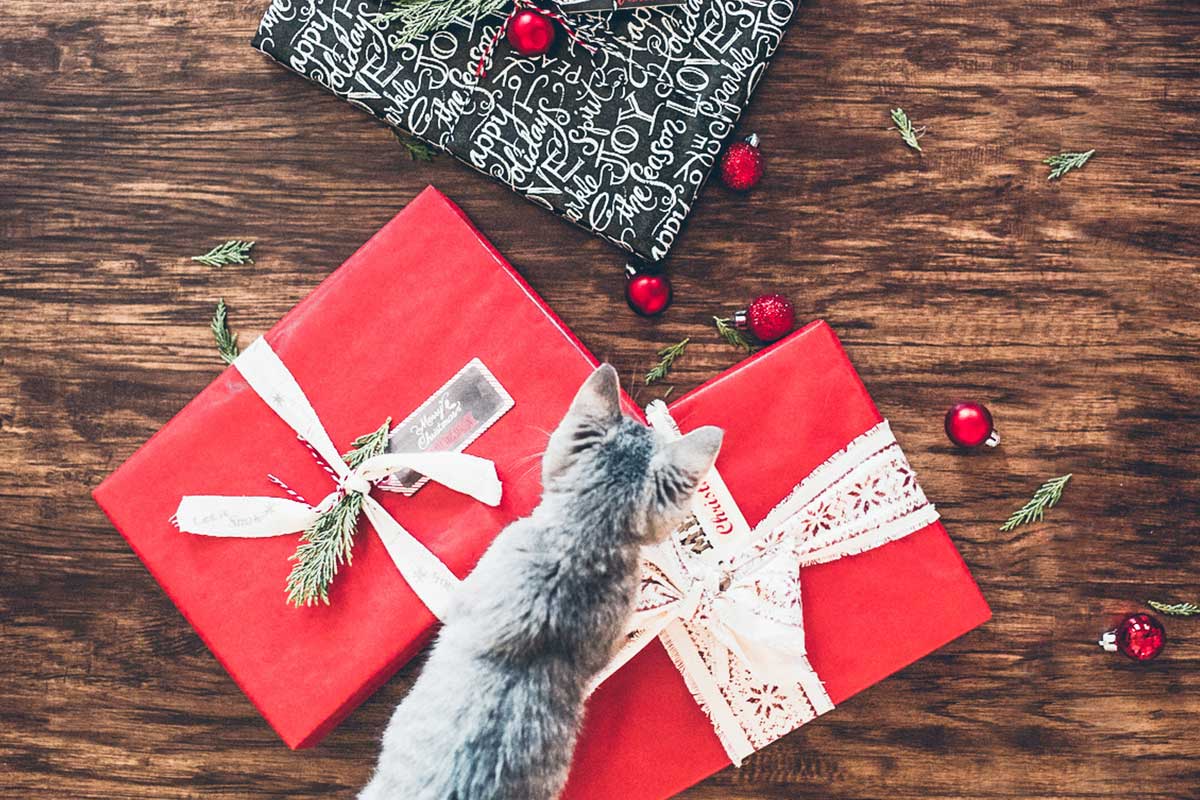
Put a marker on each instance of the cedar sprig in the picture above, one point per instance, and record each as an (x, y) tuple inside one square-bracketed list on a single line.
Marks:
[(418, 17), (227, 344), (910, 134), (1047, 495), (732, 335), (1175, 609), (417, 149), (329, 541), (1063, 163), (235, 251), (666, 359)]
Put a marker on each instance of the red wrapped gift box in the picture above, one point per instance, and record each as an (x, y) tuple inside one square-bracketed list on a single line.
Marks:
[(372, 341), (784, 411)]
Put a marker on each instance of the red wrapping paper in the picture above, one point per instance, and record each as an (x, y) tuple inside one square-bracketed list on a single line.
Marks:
[(784, 411), (374, 340), (418, 301)]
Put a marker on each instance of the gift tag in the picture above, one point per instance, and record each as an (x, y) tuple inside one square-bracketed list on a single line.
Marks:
[(455, 416), (716, 529)]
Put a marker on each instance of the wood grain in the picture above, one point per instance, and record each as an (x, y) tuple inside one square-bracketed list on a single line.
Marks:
[(135, 134)]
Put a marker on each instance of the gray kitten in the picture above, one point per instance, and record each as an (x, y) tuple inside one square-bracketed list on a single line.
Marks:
[(496, 709)]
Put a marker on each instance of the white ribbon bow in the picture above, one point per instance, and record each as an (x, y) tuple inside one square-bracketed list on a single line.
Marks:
[(214, 515), (729, 613)]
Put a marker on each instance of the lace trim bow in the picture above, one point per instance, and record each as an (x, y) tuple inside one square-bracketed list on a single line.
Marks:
[(733, 623)]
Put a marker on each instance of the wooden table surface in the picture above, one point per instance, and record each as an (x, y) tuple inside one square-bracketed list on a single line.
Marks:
[(136, 133)]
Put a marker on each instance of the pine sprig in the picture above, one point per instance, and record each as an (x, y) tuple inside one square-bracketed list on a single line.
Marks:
[(1063, 163), (234, 251), (227, 344), (1047, 495), (329, 541), (1175, 609), (732, 335), (368, 445), (666, 359), (417, 149), (418, 17), (911, 135)]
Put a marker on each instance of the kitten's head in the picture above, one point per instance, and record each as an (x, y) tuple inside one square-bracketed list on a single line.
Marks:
[(602, 459)]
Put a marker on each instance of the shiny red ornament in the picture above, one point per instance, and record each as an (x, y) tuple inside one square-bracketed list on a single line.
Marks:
[(742, 164), (768, 317), (648, 293), (1138, 636), (531, 33), (970, 425)]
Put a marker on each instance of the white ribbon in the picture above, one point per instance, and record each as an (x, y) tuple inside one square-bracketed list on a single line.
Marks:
[(254, 517), (731, 617)]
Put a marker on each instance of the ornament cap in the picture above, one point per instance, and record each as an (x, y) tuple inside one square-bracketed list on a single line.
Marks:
[(741, 320), (752, 140), (993, 438), (631, 270), (1108, 641)]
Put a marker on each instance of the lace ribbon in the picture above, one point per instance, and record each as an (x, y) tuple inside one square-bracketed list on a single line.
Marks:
[(731, 618), (258, 517)]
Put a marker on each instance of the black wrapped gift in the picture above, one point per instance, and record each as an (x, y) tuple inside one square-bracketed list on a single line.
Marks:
[(618, 140)]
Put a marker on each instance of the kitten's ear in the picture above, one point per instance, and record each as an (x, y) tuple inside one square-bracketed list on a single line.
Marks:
[(599, 398), (695, 453)]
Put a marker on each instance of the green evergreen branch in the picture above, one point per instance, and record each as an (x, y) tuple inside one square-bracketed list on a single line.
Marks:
[(1063, 163), (1176, 609), (418, 17), (667, 357), (234, 251), (368, 445), (227, 344), (329, 541), (908, 133), (1047, 495), (732, 335), (417, 149)]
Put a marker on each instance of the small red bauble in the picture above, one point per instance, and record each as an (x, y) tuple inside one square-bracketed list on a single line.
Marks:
[(742, 164), (1138, 636), (530, 33), (970, 425), (768, 317), (648, 293)]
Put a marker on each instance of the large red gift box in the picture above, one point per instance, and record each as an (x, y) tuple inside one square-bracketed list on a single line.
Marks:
[(784, 411), (418, 302)]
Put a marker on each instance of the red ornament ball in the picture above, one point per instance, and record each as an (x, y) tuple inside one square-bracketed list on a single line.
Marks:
[(742, 165), (530, 33), (648, 293), (970, 425), (1138, 636), (768, 317)]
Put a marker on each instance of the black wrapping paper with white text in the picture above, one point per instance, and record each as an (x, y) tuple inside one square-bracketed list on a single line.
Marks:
[(618, 140)]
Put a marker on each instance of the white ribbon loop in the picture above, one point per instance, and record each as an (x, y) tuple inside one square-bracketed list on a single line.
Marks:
[(735, 627), (261, 517)]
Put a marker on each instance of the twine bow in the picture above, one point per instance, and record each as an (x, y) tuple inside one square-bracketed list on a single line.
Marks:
[(519, 5), (731, 618), (259, 517)]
